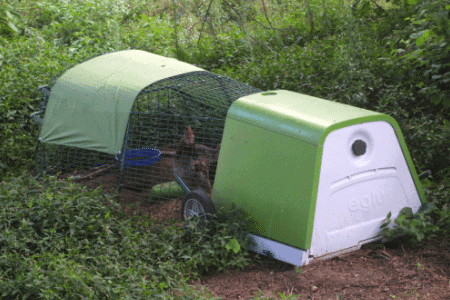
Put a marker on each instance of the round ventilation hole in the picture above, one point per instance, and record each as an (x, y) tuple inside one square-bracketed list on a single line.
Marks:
[(359, 147)]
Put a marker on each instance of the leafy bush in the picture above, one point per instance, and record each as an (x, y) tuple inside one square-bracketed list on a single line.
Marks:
[(223, 230), (11, 21), (63, 241), (416, 32), (431, 219)]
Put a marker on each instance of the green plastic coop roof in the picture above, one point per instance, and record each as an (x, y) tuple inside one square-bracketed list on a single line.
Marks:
[(90, 104)]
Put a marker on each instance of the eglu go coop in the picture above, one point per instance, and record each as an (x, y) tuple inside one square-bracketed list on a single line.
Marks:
[(316, 177)]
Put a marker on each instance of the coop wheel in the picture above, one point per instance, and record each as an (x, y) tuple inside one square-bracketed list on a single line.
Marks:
[(196, 204)]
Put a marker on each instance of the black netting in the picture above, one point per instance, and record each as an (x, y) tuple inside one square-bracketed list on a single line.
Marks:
[(163, 110), (160, 118)]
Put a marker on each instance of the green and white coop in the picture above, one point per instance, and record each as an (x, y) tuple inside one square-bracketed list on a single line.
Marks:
[(316, 177)]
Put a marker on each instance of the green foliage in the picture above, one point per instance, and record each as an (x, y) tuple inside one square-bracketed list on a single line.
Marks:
[(11, 21), (431, 219), (63, 241), (225, 235), (427, 138), (429, 45), (419, 43)]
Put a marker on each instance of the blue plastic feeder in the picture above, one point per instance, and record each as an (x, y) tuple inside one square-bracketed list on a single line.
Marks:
[(141, 157)]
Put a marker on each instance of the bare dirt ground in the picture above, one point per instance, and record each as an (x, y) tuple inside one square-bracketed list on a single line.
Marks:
[(396, 270), (392, 272)]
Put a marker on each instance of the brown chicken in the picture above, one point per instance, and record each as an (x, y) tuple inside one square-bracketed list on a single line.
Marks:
[(195, 164)]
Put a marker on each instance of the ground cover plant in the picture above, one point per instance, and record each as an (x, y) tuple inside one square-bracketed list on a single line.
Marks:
[(60, 241), (388, 56)]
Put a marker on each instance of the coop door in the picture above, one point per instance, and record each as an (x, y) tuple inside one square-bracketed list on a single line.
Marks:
[(364, 175)]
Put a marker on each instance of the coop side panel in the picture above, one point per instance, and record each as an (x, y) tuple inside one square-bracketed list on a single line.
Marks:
[(271, 176)]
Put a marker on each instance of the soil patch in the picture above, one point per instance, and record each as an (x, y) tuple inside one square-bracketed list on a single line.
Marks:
[(397, 270)]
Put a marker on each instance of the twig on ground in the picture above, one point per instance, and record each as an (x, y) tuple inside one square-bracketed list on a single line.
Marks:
[(404, 252), (94, 174)]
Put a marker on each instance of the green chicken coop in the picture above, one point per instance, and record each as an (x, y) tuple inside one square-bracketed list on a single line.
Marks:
[(315, 177)]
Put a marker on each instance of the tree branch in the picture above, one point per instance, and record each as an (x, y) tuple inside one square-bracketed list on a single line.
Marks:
[(238, 13), (203, 24), (274, 28), (265, 13)]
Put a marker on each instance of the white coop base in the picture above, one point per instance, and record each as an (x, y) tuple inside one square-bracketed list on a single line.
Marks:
[(295, 256)]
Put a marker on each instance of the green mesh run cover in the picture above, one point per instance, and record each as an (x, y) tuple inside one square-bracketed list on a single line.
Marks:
[(90, 104), (164, 116)]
